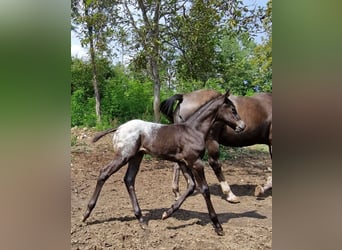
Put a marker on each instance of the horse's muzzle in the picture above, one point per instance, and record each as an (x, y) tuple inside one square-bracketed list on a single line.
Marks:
[(240, 126)]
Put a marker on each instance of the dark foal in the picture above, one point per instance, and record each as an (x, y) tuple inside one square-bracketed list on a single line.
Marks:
[(255, 111), (181, 143)]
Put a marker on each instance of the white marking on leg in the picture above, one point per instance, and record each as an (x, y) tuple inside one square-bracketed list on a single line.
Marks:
[(225, 187), (228, 192)]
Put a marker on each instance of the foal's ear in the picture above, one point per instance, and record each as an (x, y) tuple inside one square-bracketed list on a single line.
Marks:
[(227, 93)]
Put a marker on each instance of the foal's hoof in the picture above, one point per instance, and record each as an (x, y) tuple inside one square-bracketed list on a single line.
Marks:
[(143, 225), (258, 191), (165, 215), (84, 218), (219, 231)]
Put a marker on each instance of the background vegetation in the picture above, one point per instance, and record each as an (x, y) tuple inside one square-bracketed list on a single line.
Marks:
[(142, 52)]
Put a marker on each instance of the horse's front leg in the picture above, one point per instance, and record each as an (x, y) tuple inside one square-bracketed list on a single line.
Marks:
[(198, 171), (191, 187), (133, 168), (213, 158)]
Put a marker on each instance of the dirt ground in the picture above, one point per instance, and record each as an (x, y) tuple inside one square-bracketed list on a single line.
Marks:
[(112, 224)]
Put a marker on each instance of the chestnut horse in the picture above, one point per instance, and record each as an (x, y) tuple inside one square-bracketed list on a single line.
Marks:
[(181, 143), (255, 111)]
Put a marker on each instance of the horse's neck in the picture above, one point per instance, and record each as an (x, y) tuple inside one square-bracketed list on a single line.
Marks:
[(203, 118)]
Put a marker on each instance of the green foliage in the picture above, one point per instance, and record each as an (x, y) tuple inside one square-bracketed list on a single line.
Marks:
[(82, 109), (263, 55), (122, 97), (196, 33), (81, 76), (77, 104), (95, 20), (187, 45), (73, 140), (125, 99)]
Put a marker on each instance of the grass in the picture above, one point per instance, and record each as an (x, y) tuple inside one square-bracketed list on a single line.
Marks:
[(230, 153), (73, 140)]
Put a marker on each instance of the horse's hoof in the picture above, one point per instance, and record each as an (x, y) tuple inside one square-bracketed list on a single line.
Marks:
[(258, 191), (233, 200)]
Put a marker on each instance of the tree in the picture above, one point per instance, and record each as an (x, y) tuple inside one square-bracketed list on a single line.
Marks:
[(196, 30), (145, 28), (92, 19), (263, 53), (194, 34)]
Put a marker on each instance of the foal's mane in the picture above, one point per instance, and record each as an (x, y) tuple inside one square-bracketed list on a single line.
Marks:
[(194, 115)]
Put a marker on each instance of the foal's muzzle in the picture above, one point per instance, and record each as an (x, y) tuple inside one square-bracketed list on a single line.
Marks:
[(240, 126)]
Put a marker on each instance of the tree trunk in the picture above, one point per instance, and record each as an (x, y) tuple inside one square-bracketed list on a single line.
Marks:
[(156, 89), (155, 64), (94, 69), (95, 83), (152, 46)]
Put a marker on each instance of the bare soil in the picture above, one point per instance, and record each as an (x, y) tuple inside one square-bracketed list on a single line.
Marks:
[(112, 224)]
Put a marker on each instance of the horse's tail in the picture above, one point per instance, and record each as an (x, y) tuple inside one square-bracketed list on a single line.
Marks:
[(103, 133), (166, 106)]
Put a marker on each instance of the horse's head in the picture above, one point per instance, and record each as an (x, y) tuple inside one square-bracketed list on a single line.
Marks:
[(228, 114)]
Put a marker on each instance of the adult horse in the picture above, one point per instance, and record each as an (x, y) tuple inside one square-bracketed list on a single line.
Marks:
[(181, 143), (255, 111)]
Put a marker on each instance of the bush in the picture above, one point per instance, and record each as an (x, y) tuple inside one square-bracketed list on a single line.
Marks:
[(82, 109)]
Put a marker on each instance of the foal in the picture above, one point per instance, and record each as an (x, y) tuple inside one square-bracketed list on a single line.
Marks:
[(181, 143)]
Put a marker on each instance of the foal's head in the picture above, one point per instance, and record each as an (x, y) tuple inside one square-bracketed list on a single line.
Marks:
[(228, 114)]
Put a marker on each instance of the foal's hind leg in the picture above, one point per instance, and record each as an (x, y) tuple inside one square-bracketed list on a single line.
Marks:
[(175, 180), (133, 168), (214, 155), (204, 189), (191, 187), (105, 173)]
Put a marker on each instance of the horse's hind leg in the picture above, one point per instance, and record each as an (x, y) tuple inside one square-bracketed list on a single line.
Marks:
[(105, 173), (204, 189), (259, 190), (270, 141), (133, 168), (191, 187), (213, 158)]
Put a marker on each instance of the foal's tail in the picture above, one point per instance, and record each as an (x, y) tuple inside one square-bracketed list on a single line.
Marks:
[(166, 106), (103, 133)]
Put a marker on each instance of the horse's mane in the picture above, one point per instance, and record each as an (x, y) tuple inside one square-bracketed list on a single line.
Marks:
[(166, 106)]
